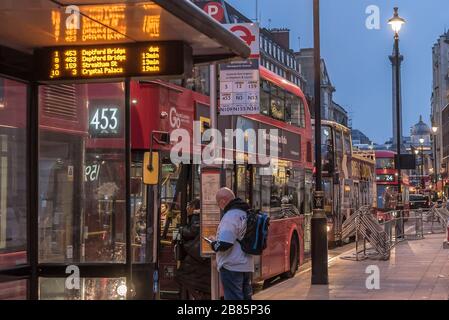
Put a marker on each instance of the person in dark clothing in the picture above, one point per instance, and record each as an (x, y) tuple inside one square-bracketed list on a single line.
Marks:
[(194, 274)]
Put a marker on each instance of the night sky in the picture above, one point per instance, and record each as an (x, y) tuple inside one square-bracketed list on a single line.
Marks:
[(357, 58)]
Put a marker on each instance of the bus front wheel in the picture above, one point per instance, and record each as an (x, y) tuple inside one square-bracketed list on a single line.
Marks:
[(294, 258)]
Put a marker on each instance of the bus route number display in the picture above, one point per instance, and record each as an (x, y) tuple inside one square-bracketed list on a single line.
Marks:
[(386, 178), (105, 118), (142, 59)]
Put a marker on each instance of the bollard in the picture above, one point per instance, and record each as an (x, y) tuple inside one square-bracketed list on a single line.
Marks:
[(418, 224)]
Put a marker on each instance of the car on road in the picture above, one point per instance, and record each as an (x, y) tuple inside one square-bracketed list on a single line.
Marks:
[(419, 201)]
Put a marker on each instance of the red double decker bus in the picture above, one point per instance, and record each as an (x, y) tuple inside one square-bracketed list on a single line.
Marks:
[(285, 194), (388, 185)]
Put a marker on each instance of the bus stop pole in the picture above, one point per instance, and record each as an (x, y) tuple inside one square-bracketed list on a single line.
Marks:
[(215, 284)]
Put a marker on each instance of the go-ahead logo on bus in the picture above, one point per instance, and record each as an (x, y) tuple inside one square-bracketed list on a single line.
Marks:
[(176, 119)]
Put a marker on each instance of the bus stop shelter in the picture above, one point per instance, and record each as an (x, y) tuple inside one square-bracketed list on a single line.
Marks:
[(35, 253)]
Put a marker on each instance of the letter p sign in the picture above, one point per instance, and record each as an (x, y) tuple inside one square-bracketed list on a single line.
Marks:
[(215, 10)]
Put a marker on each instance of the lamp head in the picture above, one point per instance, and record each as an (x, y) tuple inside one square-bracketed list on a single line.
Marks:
[(396, 22), (434, 129)]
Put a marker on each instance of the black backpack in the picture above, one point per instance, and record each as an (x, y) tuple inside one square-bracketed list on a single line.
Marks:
[(255, 239)]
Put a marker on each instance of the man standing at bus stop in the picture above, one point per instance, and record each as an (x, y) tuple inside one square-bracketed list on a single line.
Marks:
[(234, 265)]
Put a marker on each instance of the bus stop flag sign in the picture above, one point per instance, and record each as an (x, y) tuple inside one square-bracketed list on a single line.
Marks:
[(239, 81)]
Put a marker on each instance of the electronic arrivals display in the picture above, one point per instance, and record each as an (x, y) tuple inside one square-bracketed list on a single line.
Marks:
[(141, 59)]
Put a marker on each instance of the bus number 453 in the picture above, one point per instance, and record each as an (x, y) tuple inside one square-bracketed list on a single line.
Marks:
[(105, 119)]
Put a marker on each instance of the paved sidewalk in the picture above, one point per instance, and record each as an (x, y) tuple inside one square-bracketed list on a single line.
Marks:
[(417, 270)]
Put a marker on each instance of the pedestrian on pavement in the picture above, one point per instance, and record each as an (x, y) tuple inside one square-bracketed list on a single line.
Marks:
[(194, 272), (234, 265)]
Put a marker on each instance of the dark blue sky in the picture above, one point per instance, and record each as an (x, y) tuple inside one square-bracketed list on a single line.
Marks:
[(357, 58)]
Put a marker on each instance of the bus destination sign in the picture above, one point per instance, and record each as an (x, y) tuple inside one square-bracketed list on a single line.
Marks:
[(141, 59)]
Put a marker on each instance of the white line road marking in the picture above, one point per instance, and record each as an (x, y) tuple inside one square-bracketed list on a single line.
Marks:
[(329, 261)]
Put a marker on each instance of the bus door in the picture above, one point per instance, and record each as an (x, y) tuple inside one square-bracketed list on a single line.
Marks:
[(175, 192)]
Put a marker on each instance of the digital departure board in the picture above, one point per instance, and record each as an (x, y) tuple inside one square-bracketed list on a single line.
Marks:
[(141, 59)]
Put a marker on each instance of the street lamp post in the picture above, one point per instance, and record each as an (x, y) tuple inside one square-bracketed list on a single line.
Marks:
[(396, 23), (435, 171), (421, 142), (319, 220)]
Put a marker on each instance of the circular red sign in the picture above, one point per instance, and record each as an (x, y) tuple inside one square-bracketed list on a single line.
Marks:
[(215, 10)]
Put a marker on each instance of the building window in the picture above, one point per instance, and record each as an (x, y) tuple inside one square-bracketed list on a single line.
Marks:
[(277, 103), (294, 110), (309, 152), (302, 114), (265, 97)]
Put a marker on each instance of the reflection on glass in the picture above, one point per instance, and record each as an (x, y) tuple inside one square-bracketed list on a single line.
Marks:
[(82, 173), (13, 174), (281, 190), (242, 183), (13, 290), (277, 103), (327, 149), (151, 25), (328, 196), (265, 97), (386, 197), (93, 27), (89, 289), (56, 23), (139, 202), (97, 23), (152, 20), (170, 209), (384, 163)]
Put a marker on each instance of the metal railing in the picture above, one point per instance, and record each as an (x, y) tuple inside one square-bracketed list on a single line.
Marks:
[(439, 215), (372, 232), (348, 227), (382, 237), (404, 225)]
